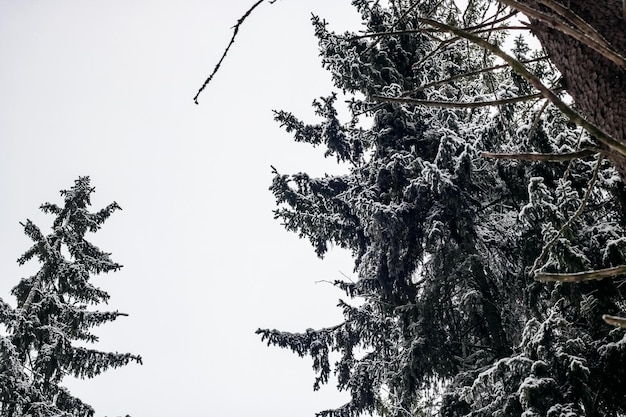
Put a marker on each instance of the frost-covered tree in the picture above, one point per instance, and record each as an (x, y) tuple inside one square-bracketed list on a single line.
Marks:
[(47, 334), (446, 242)]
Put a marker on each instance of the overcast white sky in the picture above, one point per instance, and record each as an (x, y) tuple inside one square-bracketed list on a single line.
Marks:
[(105, 88)]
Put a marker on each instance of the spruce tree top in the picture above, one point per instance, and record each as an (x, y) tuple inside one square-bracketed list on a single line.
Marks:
[(52, 312)]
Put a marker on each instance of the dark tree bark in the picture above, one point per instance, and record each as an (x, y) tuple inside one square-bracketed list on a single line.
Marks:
[(597, 84)]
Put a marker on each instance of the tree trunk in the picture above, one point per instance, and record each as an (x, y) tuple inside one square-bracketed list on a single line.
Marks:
[(597, 85)]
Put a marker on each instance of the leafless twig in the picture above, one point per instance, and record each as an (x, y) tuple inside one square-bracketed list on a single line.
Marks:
[(232, 41), (615, 321), (456, 104), (471, 73), (535, 125), (581, 276)]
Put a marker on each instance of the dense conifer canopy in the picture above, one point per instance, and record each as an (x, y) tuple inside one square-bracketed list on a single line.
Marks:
[(446, 316)]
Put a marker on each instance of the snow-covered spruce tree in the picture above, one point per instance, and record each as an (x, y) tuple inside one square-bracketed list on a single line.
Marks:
[(52, 314), (451, 321)]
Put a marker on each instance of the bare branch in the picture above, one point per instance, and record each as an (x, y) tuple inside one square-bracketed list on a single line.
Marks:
[(441, 47), (324, 281), (546, 157), (490, 23), (471, 73), (391, 33), (581, 276), (232, 41), (493, 29), (455, 104), (615, 321), (535, 125), (428, 31)]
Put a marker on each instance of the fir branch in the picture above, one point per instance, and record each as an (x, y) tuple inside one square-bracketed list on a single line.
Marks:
[(396, 23), (614, 321), (536, 82), (456, 104), (581, 276), (571, 220), (546, 157), (370, 110), (232, 41)]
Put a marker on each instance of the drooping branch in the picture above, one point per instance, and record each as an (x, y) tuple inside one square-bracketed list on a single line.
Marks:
[(581, 276), (232, 41)]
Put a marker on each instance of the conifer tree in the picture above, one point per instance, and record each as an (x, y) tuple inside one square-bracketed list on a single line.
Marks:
[(48, 330), (446, 243)]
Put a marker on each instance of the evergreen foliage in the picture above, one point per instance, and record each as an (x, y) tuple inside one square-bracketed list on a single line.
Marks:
[(48, 331), (449, 319)]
